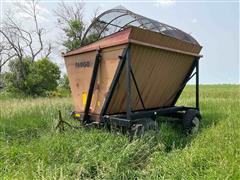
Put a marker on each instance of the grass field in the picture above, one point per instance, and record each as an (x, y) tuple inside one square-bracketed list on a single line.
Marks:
[(30, 147)]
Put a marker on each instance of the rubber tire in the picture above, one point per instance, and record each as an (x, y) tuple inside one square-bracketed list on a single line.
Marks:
[(189, 117)]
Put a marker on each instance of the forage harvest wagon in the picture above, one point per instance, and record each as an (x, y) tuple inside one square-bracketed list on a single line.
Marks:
[(131, 69)]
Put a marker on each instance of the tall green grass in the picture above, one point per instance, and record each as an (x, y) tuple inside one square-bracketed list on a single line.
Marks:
[(30, 147)]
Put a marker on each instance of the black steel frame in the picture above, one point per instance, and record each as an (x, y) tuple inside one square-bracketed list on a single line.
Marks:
[(131, 117), (86, 118)]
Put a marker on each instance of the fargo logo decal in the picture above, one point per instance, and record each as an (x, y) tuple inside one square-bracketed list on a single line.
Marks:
[(83, 64)]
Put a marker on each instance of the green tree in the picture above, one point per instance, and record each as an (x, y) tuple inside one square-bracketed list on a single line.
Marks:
[(70, 20), (44, 77), (64, 82), (90, 38), (74, 34), (13, 79), (18, 40), (63, 89), (41, 77)]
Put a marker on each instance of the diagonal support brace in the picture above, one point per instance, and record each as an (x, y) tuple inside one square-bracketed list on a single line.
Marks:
[(91, 87)]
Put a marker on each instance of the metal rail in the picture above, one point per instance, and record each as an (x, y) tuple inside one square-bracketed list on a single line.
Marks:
[(128, 85)]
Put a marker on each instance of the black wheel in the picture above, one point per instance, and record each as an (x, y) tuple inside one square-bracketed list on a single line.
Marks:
[(191, 121)]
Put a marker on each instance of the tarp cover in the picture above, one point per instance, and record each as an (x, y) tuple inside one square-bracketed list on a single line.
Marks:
[(119, 18)]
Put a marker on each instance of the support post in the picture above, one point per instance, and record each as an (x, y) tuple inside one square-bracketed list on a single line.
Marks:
[(128, 84), (114, 82), (91, 87), (197, 83)]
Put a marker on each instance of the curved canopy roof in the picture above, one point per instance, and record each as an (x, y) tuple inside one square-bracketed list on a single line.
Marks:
[(119, 18)]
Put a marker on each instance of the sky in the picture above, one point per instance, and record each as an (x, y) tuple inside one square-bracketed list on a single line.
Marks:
[(215, 25)]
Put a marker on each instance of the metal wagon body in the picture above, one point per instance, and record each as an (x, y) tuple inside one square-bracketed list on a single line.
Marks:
[(132, 74)]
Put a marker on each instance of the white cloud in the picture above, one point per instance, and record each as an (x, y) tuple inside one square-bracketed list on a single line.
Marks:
[(102, 5), (194, 20), (164, 3)]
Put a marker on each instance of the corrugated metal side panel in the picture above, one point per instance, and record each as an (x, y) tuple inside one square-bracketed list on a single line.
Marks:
[(155, 38), (79, 78), (107, 69), (158, 73)]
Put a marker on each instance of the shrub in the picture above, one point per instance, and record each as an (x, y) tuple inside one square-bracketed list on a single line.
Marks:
[(32, 78), (64, 82), (63, 89), (14, 79)]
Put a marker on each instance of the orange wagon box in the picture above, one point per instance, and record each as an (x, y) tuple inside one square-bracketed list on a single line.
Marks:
[(133, 72)]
